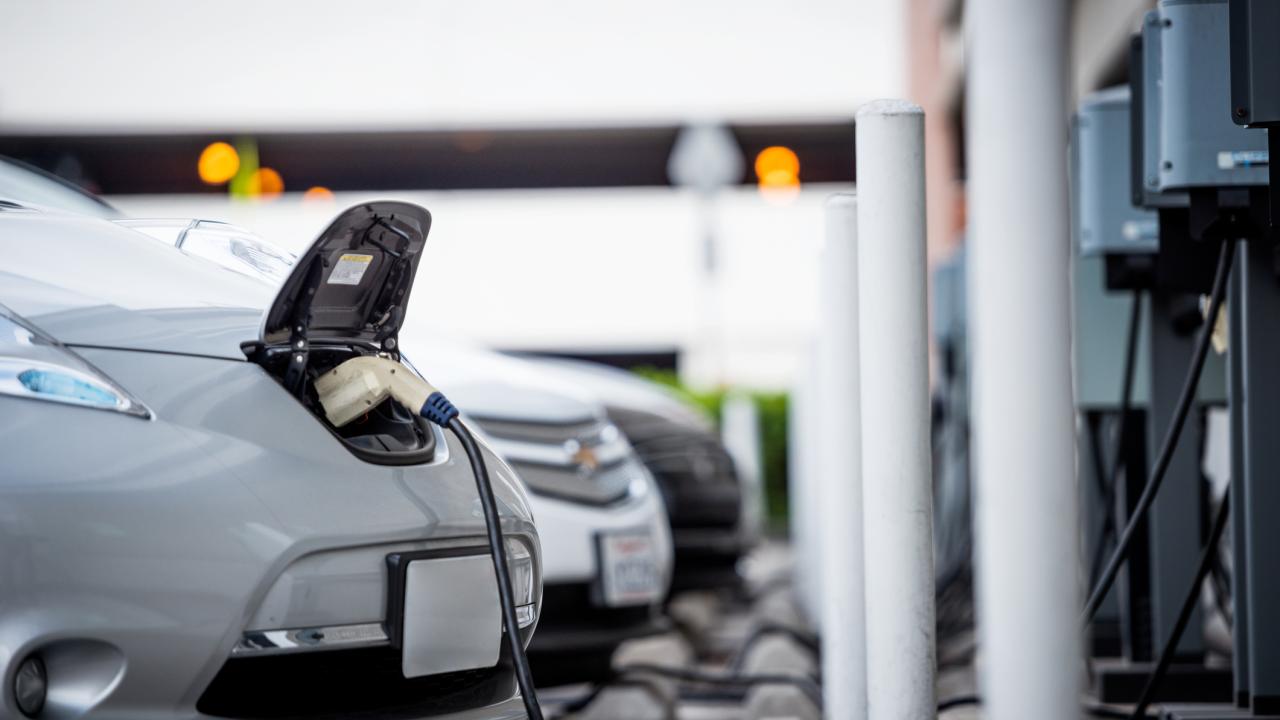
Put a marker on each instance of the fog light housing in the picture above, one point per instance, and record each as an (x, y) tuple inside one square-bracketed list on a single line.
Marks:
[(31, 686), (520, 566)]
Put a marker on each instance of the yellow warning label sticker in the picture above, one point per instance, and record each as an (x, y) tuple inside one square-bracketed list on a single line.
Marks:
[(350, 269)]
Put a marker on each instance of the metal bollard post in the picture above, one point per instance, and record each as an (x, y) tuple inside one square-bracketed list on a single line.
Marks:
[(838, 468), (897, 487)]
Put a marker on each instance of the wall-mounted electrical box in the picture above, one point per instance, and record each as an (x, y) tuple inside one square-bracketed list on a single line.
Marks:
[(1104, 218), (1144, 71), (1255, 62), (1200, 145)]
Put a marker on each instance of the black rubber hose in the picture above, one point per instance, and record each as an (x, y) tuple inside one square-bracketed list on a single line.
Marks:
[(805, 640), (506, 595), (1093, 709), (1181, 410), (648, 686), (958, 701), (1189, 602), (806, 685)]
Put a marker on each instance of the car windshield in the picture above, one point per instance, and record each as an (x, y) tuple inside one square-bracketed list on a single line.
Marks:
[(23, 183)]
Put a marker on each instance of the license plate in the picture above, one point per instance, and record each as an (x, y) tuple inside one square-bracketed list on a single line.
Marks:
[(452, 620), (629, 572)]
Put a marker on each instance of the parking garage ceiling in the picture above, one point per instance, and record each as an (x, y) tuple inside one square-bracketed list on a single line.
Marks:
[(444, 160)]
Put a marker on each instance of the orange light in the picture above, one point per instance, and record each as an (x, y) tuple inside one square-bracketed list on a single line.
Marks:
[(778, 165), (265, 183), (778, 174), (218, 163), (318, 193)]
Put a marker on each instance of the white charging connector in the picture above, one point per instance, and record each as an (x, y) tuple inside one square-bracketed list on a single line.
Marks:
[(359, 384)]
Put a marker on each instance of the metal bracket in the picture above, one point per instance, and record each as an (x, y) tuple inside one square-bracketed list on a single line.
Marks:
[(299, 348)]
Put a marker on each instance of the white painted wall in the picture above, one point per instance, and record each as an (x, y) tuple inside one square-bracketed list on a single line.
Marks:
[(248, 65)]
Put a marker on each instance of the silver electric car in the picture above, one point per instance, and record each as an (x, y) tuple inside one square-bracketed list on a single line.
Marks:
[(183, 534), (606, 539)]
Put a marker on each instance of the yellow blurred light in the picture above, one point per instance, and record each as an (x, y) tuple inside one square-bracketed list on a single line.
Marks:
[(218, 163), (265, 183), (318, 193), (778, 165)]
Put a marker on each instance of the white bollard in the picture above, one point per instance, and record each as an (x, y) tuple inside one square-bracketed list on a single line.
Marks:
[(838, 487), (1025, 511), (897, 487)]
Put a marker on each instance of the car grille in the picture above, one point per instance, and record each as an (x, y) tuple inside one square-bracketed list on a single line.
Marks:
[(603, 486), (562, 476), (359, 684)]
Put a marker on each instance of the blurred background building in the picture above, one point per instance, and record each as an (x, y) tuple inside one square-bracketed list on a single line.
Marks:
[(539, 137)]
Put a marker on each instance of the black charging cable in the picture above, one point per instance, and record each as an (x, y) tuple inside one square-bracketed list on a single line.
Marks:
[(804, 684), (631, 675), (1097, 710), (1181, 410), (440, 411), (767, 629), (1207, 557), (493, 527)]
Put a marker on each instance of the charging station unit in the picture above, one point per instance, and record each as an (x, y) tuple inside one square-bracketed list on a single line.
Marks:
[(1205, 176), (1107, 227), (1107, 221), (1254, 59), (1181, 154), (1200, 145)]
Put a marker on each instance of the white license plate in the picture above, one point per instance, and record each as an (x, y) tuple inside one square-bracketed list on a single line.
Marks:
[(452, 620), (629, 573)]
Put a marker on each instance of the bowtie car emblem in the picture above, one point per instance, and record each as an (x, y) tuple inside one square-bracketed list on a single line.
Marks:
[(586, 459)]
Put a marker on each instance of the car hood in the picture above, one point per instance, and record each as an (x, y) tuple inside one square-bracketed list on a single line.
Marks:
[(487, 385), (619, 389), (89, 282)]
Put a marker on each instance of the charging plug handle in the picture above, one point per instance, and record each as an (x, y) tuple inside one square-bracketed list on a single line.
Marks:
[(357, 385)]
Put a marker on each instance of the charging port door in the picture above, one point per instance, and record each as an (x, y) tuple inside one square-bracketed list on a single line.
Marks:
[(352, 285)]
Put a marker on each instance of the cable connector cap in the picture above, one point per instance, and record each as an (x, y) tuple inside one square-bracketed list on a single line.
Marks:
[(438, 409)]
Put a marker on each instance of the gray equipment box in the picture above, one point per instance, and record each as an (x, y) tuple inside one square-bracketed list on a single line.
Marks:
[(1200, 145), (1104, 219), (1255, 62), (1147, 99)]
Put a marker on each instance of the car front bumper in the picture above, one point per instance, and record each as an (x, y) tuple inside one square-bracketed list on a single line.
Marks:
[(574, 625), (138, 553)]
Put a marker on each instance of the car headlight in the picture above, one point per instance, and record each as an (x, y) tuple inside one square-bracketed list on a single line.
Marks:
[(237, 250), (228, 246), (523, 582), (37, 367)]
